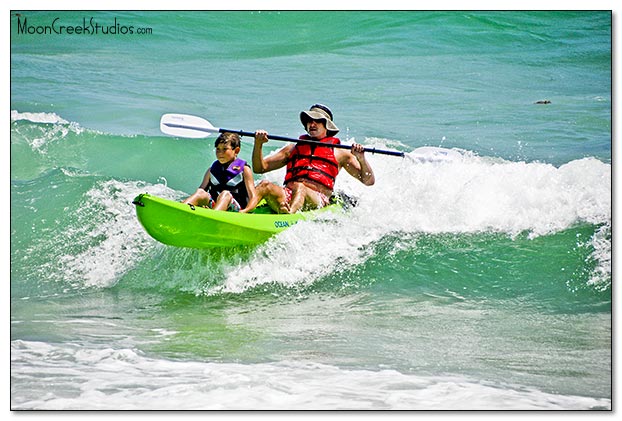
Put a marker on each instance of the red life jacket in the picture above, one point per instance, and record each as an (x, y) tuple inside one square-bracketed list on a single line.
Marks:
[(313, 162)]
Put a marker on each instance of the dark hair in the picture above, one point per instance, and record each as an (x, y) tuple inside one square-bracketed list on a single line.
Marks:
[(233, 139)]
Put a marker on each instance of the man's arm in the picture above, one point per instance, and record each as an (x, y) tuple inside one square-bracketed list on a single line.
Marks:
[(356, 164), (272, 162)]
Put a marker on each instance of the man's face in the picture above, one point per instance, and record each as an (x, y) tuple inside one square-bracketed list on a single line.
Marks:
[(317, 129)]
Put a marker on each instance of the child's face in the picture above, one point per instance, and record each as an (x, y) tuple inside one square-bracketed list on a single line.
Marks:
[(224, 153)]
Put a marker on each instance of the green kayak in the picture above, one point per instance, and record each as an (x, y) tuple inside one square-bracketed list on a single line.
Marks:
[(181, 225)]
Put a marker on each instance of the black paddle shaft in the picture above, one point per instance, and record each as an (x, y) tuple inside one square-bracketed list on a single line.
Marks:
[(313, 142)]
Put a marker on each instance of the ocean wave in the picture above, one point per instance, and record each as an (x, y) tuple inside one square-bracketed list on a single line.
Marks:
[(113, 239), (87, 378), (90, 239), (600, 243), (46, 128), (50, 118), (426, 193), (461, 196)]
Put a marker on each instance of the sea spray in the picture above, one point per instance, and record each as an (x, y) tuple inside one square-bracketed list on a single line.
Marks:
[(467, 196)]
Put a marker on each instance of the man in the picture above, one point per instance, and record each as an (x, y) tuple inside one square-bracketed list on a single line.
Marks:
[(311, 168)]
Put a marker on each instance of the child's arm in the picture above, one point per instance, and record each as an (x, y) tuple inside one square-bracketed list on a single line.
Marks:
[(199, 195), (253, 197), (205, 181)]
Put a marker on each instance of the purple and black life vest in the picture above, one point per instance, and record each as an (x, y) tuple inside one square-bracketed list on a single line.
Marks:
[(228, 177)]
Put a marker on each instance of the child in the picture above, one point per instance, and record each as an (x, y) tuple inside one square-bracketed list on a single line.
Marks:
[(229, 180)]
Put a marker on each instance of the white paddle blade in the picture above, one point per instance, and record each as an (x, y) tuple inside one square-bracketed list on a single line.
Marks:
[(183, 125), (426, 154)]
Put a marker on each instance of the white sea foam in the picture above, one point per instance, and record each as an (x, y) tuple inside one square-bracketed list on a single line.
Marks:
[(601, 244), (60, 128), (116, 240), (459, 194), (89, 379), (51, 118), (75, 377)]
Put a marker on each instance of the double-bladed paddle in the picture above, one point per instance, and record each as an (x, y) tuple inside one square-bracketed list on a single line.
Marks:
[(183, 125)]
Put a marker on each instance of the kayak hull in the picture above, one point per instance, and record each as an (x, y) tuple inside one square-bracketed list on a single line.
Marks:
[(181, 225)]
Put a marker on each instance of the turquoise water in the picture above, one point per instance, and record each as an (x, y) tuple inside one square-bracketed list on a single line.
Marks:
[(481, 282)]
